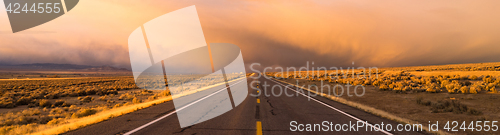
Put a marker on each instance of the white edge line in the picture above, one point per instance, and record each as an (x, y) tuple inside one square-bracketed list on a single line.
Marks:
[(164, 116), (333, 108)]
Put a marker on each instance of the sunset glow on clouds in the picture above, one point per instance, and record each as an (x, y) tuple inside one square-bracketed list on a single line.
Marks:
[(285, 33)]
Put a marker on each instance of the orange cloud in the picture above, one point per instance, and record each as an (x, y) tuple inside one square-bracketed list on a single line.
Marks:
[(287, 33)]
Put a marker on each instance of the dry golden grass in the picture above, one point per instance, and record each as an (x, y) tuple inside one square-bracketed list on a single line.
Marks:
[(64, 101), (493, 66), (101, 116), (461, 73)]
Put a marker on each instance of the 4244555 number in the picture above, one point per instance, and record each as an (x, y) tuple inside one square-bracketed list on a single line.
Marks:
[(35, 8), (479, 126)]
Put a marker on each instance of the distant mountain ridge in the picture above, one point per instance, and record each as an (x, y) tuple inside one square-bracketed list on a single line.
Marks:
[(53, 66)]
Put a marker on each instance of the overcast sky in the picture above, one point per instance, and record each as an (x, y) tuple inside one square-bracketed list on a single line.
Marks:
[(275, 32)]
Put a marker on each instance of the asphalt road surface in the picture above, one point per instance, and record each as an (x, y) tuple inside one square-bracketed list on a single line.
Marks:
[(255, 115)]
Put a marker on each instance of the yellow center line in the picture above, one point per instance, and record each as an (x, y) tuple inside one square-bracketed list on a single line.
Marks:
[(258, 100), (259, 128)]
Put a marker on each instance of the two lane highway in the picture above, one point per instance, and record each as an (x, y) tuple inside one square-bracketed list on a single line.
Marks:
[(255, 115)]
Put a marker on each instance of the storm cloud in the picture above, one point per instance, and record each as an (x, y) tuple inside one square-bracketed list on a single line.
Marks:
[(276, 33)]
